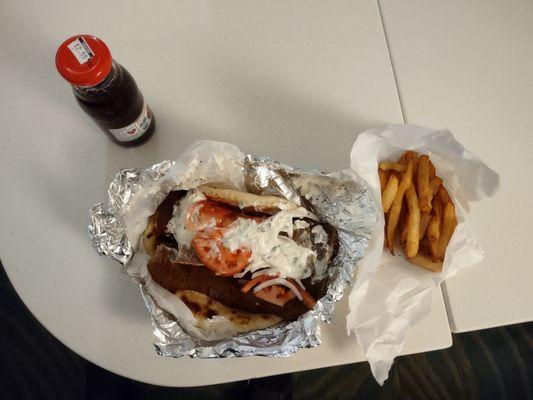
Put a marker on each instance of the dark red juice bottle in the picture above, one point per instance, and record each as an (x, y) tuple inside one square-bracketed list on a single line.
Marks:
[(105, 90)]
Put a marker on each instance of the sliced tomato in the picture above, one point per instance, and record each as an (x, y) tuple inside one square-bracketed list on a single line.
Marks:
[(275, 294), (279, 295), (218, 258), (255, 281), (306, 297), (209, 219), (207, 213)]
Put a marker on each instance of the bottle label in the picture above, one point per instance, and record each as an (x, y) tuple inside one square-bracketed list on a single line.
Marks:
[(136, 129), (81, 50)]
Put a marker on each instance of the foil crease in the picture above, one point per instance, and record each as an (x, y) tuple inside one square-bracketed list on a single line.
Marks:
[(341, 199), (107, 229)]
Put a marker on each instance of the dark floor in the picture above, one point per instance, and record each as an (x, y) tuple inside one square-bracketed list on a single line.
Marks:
[(491, 364)]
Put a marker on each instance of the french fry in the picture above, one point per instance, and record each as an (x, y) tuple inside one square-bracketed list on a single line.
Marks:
[(449, 222), (383, 178), (407, 156), (425, 262), (403, 225), (402, 222), (443, 195), (433, 231), (389, 193), (425, 219), (434, 185), (410, 155), (413, 223), (423, 246), (394, 166), (392, 220), (423, 184), (396, 208), (432, 171)]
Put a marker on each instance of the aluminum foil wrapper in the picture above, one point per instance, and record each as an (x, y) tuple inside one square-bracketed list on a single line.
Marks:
[(342, 199)]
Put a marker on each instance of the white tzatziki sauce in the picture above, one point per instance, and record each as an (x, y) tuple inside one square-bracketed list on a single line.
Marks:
[(276, 254), (177, 224)]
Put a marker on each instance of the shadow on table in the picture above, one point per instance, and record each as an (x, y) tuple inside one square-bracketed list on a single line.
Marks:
[(490, 364)]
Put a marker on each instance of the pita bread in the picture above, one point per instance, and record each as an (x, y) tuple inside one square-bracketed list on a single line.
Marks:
[(248, 201), (148, 242), (205, 309)]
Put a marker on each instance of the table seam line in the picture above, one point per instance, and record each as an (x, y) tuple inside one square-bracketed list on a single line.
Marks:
[(393, 67)]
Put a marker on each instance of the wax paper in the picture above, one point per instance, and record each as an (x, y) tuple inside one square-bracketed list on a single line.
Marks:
[(389, 294)]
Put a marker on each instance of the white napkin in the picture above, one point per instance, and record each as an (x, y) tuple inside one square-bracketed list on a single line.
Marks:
[(389, 294)]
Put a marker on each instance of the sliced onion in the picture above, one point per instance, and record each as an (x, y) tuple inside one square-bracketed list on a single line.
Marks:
[(279, 281), (244, 272), (299, 282), (260, 272)]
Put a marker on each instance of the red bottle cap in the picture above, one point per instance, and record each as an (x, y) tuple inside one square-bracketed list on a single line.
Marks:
[(83, 60)]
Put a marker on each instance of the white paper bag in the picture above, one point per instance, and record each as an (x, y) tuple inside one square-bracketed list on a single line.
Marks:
[(390, 294)]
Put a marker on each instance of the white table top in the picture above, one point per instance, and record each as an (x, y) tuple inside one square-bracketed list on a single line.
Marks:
[(296, 81), (468, 66)]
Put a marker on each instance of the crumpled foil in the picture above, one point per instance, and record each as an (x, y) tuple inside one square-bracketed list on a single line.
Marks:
[(341, 199)]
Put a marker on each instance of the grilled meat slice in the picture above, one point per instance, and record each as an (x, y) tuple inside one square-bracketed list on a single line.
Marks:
[(173, 276)]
